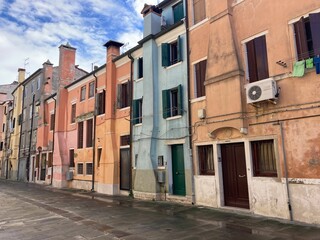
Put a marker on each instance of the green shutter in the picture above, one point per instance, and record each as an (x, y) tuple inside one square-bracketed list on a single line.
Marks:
[(165, 103), (165, 54), (135, 111), (180, 100), (178, 12), (119, 88), (179, 49)]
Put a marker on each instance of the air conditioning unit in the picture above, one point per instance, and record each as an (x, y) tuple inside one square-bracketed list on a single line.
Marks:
[(201, 113), (261, 90), (69, 176)]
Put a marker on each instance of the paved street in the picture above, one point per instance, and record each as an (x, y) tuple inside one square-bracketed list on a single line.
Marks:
[(29, 211)]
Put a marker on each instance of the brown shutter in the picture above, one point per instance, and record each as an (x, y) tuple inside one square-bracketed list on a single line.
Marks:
[(315, 30), (252, 65), (198, 78), (73, 113), (89, 132), (199, 10), (301, 39), (203, 67), (261, 57), (80, 135)]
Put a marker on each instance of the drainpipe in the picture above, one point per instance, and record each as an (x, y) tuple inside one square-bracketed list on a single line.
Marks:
[(189, 103), (131, 123), (21, 123), (54, 129), (30, 140), (94, 130), (286, 170)]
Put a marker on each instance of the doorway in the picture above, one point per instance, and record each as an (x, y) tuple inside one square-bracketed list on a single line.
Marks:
[(125, 169), (234, 173), (178, 174)]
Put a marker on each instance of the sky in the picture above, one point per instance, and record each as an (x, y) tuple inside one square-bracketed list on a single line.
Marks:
[(32, 30)]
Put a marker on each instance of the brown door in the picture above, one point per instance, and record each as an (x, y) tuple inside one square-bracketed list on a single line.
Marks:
[(235, 183)]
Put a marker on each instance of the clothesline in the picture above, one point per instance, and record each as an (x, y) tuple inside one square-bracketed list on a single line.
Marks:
[(307, 55)]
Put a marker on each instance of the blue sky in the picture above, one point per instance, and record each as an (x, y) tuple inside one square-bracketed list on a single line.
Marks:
[(32, 30)]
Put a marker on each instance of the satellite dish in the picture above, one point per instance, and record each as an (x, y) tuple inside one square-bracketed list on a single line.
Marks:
[(255, 92)]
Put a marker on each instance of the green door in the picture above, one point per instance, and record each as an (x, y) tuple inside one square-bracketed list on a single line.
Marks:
[(179, 185)]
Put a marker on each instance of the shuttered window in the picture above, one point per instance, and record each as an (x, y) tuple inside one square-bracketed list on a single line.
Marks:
[(171, 52), (199, 10), (80, 135), (263, 158), (178, 12), (140, 67), (200, 76), (137, 111), (257, 59), (101, 102), (89, 132), (73, 113), (172, 104), (80, 168), (307, 36), (89, 168), (91, 90), (52, 121), (83, 93), (71, 158), (50, 159), (205, 156), (125, 140), (123, 95)]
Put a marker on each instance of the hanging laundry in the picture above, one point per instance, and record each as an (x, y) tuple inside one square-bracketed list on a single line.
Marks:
[(309, 63), (316, 62), (298, 69)]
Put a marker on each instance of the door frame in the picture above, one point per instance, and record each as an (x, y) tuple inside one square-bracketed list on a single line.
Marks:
[(219, 171), (130, 170)]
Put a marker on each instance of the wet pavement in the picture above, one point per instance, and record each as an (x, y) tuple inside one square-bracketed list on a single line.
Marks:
[(30, 211)]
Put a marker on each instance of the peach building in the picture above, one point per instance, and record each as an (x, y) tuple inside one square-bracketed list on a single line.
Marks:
[(255, 106)]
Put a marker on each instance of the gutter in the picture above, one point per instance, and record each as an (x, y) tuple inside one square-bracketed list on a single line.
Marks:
[(94, 130), (19, 153), (53, 133), (131, 122), (189, 106), (30, 140)]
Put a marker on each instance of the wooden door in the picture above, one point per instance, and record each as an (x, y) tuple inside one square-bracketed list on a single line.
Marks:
[(125, 169), (178, 175), (235, 183)]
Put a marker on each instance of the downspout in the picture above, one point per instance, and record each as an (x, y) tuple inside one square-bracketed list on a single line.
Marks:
[(30, 140), (189, 104), (94, 131), (54, 129), (21, 123), (131, 123), (286, 171)]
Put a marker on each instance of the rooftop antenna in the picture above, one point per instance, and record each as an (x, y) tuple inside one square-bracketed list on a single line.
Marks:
[(124, 47)]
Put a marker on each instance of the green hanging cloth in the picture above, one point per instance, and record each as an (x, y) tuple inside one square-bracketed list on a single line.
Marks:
[(298, 69), (309, 63)]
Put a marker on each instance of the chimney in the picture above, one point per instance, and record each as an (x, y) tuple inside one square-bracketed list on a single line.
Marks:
[(67, 59), (47, 77), (113, 49), (151, 20), (21, 75)]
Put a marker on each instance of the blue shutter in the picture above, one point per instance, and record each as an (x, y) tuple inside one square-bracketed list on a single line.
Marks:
[(135, 111), (165, 54), (165, 103), (180, 100), (179, 49), (178, 12)]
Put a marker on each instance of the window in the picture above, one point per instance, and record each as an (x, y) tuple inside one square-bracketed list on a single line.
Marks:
[(30, 111), (101, 102), (200, 77), (172, 102), (123, 95), (20, 119), (125, 140), (89, 132), (73, 113), (80, 168), (263, 158), (38, 84), (307, 36), (199, 10), (1, 146), (171, 52), (91, 90), (83, 93), (71, 158), (13, 123), (24, 113), (3, 127), (99, 156), (140, 67), (89, 169), (52, 120), (177, 12), (257, 59), (205, 156), (80, 135), (137, 111), (50, 159)]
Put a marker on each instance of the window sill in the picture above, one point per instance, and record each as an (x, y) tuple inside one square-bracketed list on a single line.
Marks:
[(138, 80), (198, 24), (138, 125), (91, 97), (173, 118), (123, 109), (101, 115), (173, 65), (161, 167), (199, 99)]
